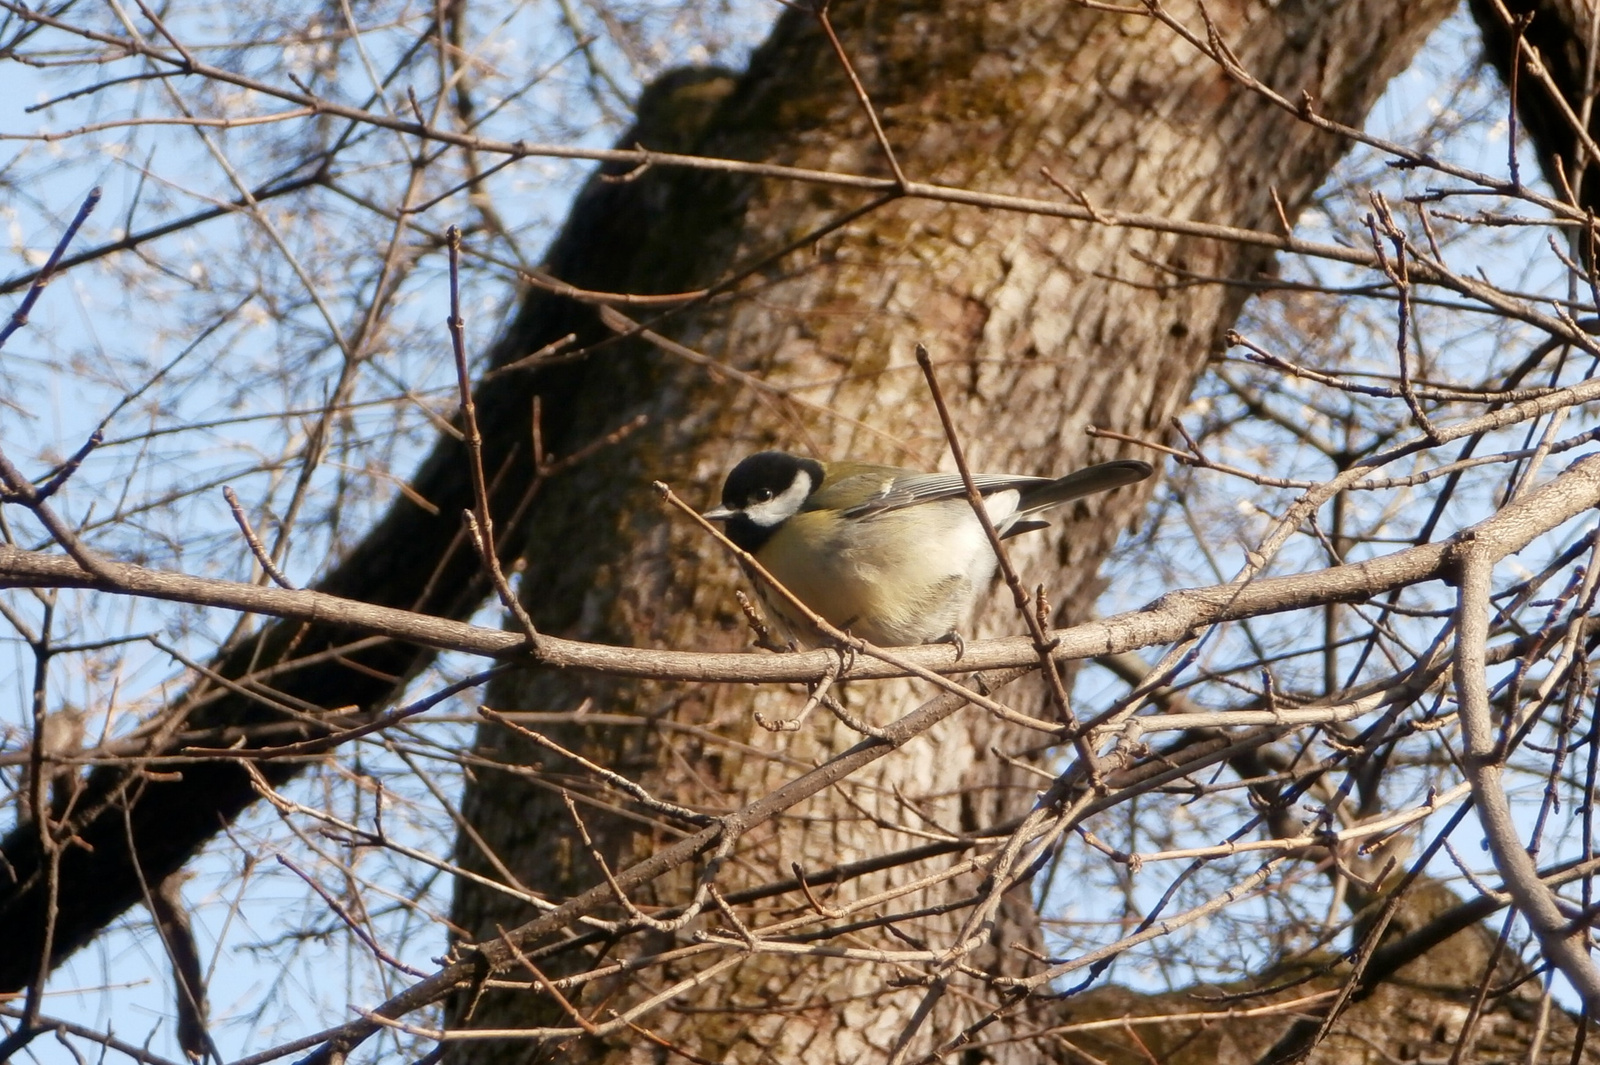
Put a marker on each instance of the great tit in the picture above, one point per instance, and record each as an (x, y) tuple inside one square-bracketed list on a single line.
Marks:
[(894, 556)]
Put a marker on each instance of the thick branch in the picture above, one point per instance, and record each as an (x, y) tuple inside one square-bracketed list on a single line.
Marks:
[(1172, 617)]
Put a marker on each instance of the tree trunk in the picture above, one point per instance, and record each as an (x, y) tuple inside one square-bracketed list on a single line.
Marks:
[(1562, 34), (1039, 327)]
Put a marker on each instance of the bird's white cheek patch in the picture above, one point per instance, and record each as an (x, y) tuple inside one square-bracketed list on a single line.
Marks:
[(781, 508)]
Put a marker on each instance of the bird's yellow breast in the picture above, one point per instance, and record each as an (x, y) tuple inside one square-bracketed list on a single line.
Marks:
[(903, 577)]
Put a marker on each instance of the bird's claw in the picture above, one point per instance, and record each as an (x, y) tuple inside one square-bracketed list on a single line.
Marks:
[(955, 639)]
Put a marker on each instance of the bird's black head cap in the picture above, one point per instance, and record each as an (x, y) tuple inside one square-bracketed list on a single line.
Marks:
[(764, 490)]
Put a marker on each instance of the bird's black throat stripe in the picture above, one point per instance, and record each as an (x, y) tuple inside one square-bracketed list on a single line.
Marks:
[(746, 534)]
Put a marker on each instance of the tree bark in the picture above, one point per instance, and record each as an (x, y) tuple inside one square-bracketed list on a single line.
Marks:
[(1040, 328)]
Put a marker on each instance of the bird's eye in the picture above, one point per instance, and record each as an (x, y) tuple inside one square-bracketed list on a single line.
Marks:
[(763, 495)]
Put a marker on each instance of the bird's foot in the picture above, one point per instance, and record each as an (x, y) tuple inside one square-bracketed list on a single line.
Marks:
[(954, 638)]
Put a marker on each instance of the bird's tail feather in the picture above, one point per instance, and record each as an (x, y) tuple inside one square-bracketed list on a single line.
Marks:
[(1085, 482)]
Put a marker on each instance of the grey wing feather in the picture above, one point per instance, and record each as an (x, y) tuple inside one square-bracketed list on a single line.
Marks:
[(910, 490), (1038, 493)]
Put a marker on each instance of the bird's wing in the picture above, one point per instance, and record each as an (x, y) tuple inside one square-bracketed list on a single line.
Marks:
[(893, 489), (912, 489)]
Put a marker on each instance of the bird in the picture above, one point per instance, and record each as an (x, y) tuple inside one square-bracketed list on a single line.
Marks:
[(894, 556)]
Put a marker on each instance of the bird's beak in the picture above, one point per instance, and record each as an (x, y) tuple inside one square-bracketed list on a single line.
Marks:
[(719, 514)]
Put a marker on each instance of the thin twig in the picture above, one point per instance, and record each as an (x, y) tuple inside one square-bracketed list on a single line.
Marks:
[(616, 780), (257, 548), (42, 276), (860, 91), (481, 521), (1041, 641)]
